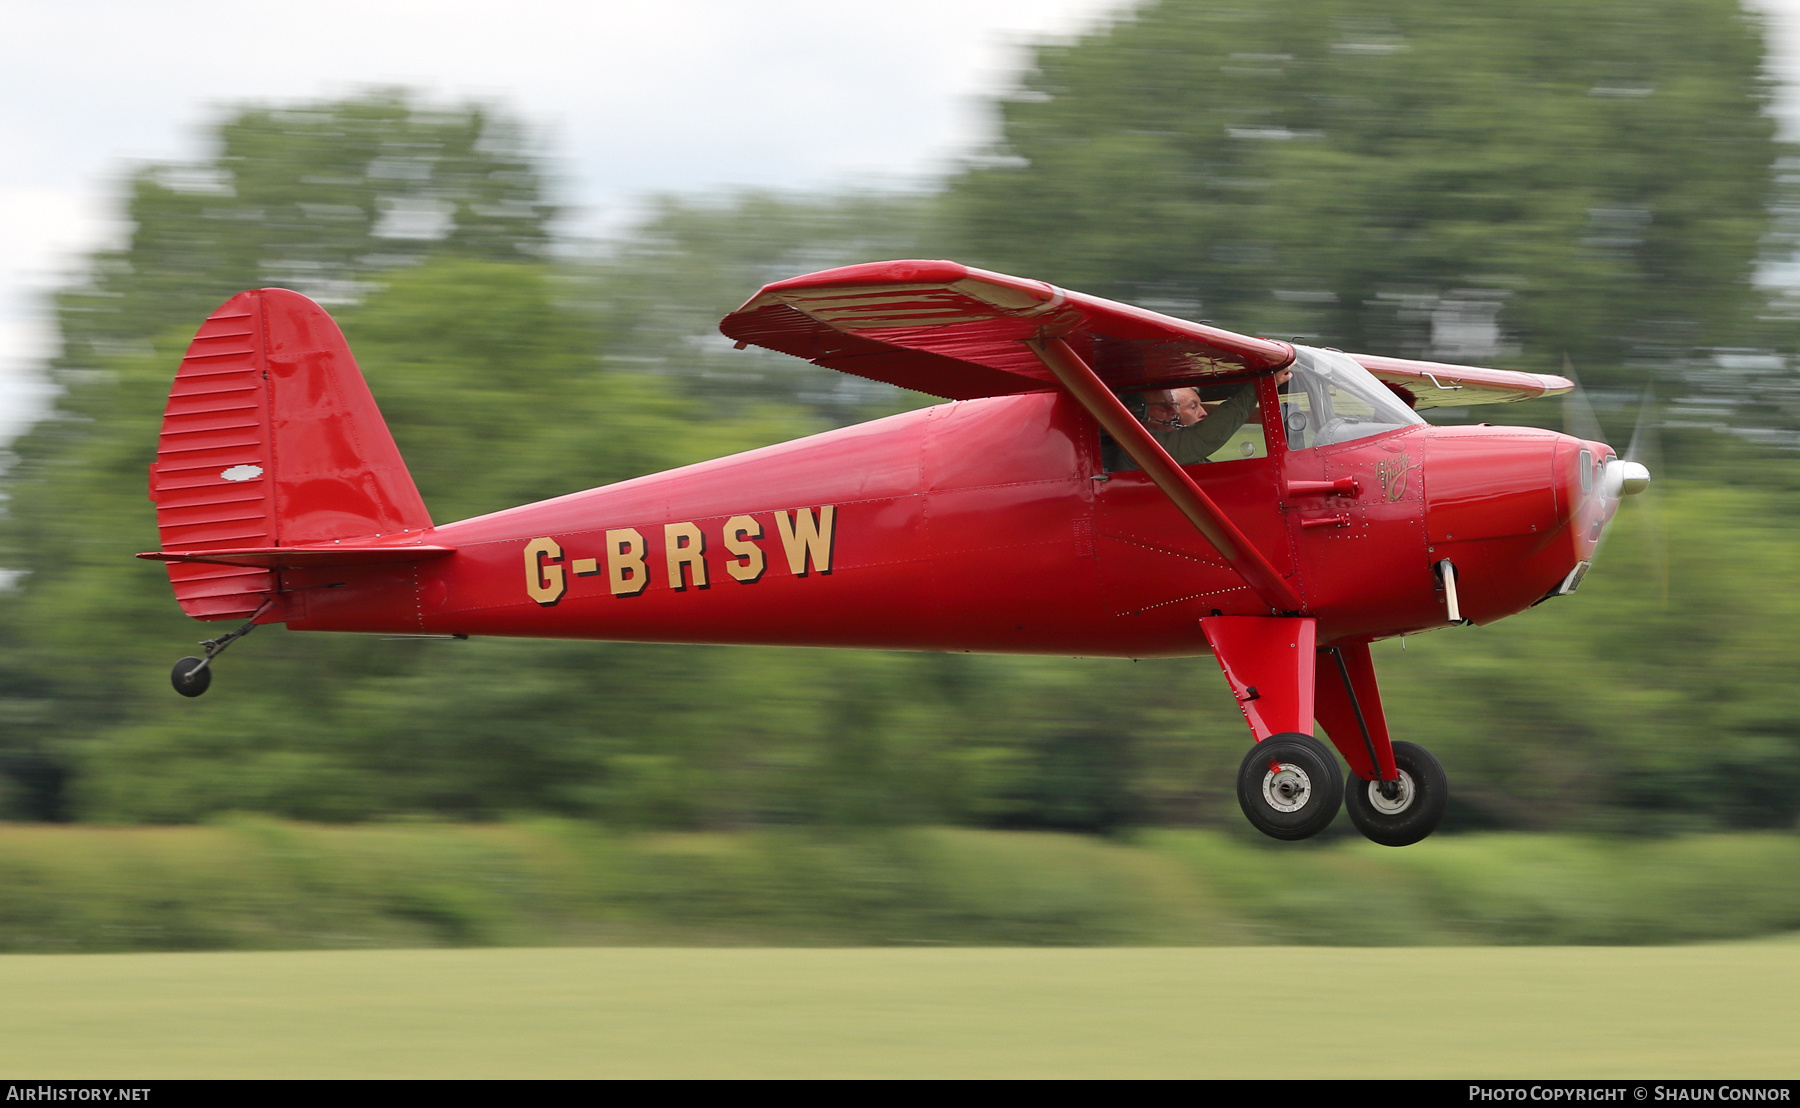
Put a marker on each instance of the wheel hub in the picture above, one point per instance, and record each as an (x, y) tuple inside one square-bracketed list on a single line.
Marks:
[(1401, 800), (1286, 787)]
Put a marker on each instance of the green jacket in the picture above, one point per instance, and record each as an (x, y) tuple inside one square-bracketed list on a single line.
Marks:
[(1197, 441)]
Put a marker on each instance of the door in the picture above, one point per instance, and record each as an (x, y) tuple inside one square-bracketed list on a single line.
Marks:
[(1156, 569)]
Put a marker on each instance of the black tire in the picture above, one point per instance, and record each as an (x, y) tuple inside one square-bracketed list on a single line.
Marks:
[(1290, 786), (189, 679), (1416, 813)]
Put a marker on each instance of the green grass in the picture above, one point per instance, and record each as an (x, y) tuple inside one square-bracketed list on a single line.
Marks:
[(1265, 1012), (264, 885)]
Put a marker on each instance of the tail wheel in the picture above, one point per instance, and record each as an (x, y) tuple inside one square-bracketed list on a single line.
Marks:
[(1415, 809), (189, 678), (1290, 786)]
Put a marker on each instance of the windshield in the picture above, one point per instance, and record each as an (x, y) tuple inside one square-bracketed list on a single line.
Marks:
[(1332, 399)]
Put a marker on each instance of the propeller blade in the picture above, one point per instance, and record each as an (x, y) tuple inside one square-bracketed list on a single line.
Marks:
[(1645, 439), (1578, 415), (1631, 477), (1645, 449)]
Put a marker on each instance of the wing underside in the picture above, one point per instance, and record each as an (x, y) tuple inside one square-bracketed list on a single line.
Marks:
[(948, 330)]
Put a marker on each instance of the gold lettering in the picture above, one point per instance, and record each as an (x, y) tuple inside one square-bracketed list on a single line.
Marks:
[(747, 563), (625, 561), (684, 545), (544, 580), (802, 536), (585, 567), (1393, 474)]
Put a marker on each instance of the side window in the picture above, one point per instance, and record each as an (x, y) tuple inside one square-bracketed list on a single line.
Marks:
[(1195, 424), (1247, 441)]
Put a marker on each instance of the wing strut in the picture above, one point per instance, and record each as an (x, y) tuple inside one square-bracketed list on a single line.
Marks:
[(1087, 388)]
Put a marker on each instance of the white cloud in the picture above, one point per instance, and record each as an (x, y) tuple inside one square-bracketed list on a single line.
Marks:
[(23, 392)]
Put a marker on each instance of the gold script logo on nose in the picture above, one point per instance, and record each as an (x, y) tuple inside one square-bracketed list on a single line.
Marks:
[(1393, 473)]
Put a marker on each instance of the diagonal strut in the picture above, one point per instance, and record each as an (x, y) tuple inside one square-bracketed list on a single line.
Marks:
[(1086, 387)]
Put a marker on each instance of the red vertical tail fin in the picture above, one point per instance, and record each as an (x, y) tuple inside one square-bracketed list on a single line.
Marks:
[(271, 440)]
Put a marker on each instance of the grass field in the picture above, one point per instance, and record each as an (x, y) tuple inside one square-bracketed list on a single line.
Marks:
[(1727, 1010)]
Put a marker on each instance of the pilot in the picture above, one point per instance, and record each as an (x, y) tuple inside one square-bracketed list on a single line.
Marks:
[(1190, 443), (1188, 401)]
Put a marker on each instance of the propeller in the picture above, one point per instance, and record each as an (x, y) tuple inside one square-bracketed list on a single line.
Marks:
[(1643, 457), (1629, 476)]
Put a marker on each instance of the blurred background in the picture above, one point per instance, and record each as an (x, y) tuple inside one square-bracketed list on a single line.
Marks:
[(529, 224)]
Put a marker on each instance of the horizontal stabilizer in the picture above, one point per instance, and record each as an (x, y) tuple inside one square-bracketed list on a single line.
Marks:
[(289, 557)]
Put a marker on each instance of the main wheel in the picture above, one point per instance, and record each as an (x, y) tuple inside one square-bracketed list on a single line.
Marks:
[(1417, 808), (1290, 786), (189, 679)]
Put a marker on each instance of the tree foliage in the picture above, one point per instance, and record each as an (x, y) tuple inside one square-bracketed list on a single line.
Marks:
[(1397, 177), (665, 287), (321, 198), (1309, 166)]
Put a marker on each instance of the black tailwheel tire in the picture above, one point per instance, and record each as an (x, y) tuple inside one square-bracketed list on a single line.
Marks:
[(189, 679), (1290, 786), (1404, 819)]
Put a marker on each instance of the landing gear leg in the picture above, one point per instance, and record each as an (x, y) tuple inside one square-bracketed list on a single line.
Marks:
[(1397, 791), (193, 676), (1289, 785)]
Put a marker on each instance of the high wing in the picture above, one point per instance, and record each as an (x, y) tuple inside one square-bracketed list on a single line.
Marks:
[(945, 329), (953, 331), (1436, 385)]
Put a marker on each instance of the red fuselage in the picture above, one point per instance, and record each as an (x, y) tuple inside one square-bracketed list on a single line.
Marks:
[(988, 525)]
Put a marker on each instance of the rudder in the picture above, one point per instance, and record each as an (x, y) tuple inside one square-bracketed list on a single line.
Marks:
[(271, 439)]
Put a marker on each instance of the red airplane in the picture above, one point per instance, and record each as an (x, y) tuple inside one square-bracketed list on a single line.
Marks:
[(1058, 505)]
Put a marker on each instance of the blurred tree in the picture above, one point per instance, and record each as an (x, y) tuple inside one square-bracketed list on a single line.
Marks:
[(489, 433), (669, 281), (508, 377), (495, 382), (321, 198), (1494, 181)]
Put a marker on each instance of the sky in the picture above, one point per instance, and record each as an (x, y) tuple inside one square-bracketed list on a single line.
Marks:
[(630, 98)]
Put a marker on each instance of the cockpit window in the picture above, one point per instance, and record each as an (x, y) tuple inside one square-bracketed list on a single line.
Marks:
[(1332, 399)]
